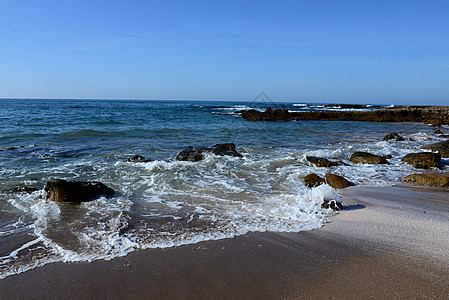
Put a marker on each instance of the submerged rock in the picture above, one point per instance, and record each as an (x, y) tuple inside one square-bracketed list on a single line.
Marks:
[(441, 147), (197, 153), (423, 160), (438, 131), (23, 189), (139, 159), (393, 136), (313, 180), (59, 190), (323, 162), (434, 180), (336, 181), (367, 158)]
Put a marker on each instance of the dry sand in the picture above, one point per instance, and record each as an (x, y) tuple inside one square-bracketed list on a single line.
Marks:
[(389, 243)]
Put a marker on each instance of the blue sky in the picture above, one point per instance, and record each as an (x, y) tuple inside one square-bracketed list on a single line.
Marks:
[(392, 52)]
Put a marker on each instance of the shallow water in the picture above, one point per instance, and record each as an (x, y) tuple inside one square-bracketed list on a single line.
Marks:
[(165, 202)]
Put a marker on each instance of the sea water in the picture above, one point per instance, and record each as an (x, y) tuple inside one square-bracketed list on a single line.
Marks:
[(165, 202)]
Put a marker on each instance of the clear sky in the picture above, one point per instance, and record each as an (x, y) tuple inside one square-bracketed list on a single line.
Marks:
[(392, 52)]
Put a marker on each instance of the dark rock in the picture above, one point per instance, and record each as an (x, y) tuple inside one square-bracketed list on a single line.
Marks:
[(23, 189), (438, 131), (225, 149), (139, 159), (191, 154), (393, 136), (367, 158), (388, 156), (434, 180), (59, 190), (423, 160), (313, 180), (332, 204), (268, 115), (323, 162), (336, 181), (197, 153), (441, 147), (444, 136), (427, 114)]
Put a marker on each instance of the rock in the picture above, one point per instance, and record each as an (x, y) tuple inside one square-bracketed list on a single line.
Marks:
[(388, 156), (197, 153), (414, 113), (332, 204), (423, 160), (441, 147), (313, 180), (59, 190), (438, 131), (323, 162), (434, 180), (336, 181), (444, 136), (138, 159), (367, 158), (23, 189), (191, 154), (225, 149), (393, 136)]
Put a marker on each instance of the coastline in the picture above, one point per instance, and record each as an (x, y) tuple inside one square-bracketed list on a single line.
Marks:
[(387, 242)]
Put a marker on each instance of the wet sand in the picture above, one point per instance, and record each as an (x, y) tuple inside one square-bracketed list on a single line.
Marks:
[(387, 243)]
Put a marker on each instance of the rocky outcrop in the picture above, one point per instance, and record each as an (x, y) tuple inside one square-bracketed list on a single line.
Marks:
[(441, 147), (197, 153), (393, 136), (336, 181), (423, 160), (59, 190), (426, 114), (268, 115), (323, 162), (434, 180), (367, 158), (313, 180), (139, 159)]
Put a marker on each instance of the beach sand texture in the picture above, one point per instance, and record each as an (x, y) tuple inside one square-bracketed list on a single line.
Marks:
[(390, 242)]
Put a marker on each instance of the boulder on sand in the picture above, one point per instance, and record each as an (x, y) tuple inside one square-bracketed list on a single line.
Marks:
[(423, 160), (336, 181), (426, 179), (59, 190), (367, 158)]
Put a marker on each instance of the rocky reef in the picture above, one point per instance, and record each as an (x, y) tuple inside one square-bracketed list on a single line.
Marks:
[(428, 114)]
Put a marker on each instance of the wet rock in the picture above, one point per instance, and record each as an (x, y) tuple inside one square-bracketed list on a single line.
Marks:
[(323, 162), (268, 115), (23, 189), (438, 131), (336, 181), (59, 190), (367, 158), (197, 153), (434, 180), (444, 136), (313, 180), (332, 204), (388, 156), (423, 160), (138, 159), (441, 147), (393, 136), (225, 149), (191, 154)]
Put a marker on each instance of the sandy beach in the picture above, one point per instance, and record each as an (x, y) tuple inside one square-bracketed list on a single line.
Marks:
[(390, 242)]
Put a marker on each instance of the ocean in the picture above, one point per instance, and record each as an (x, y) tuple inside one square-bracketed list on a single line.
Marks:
[(165, 202)]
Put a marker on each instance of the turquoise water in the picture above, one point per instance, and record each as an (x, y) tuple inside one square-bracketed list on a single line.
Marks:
[(165, 202)]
